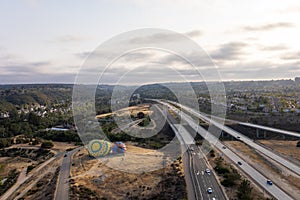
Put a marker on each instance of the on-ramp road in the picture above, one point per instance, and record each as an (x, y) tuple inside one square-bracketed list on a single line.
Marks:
[(62, 187)]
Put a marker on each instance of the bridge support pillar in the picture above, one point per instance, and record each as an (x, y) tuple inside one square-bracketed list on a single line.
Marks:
[(283, 136), (257, 133), (265, 134)]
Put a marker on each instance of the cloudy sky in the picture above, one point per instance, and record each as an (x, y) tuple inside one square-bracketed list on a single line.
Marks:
[(45, 41)]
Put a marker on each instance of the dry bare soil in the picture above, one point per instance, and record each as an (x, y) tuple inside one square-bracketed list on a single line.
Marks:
[(285, 147), (133, 110), (127, 177)]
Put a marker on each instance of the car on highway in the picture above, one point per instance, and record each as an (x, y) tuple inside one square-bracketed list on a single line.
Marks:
[(207, 171), (238, 137), (223, 147), (239, 163), (269, 182), (65, 155), (209, 190), (197, 173)]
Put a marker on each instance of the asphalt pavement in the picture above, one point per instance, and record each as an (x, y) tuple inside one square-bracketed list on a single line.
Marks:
[(259, 178), (62, 187)]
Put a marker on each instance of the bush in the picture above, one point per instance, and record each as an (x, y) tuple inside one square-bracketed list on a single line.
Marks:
[(221, 170), (30, 168), (244, 190), (47, 145), (10, 181)]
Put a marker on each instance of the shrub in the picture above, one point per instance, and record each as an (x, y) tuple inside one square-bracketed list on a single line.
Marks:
[(47, 145)]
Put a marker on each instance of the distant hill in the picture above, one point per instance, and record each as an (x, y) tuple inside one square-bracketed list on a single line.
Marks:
[(50, 93)]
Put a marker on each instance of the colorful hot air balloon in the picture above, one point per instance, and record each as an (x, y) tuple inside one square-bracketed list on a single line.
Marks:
[(99, 148)]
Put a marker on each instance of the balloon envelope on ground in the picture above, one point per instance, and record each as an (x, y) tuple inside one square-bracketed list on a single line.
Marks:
[(118, 147), (99, 148)]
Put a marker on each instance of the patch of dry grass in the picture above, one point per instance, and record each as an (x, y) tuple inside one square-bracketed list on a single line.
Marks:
[(283, 146), (103, 178)]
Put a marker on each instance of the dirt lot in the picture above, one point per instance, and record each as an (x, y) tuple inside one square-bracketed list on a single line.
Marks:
[(285, 147), (133, 110), (289, 182), (122, 177), (44, 188), (8, 163)]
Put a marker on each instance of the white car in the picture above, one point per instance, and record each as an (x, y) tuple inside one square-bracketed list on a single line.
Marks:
[(209, 190), (207, 171)]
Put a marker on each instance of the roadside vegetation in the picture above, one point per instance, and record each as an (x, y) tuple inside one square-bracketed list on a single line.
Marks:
[(236, 185), (10, 180)]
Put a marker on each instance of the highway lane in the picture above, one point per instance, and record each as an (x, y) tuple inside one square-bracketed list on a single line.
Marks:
[(204, 180), (273, 190), (193, 187), (199, 180), (247, 140), (62, 187), (207, 180)]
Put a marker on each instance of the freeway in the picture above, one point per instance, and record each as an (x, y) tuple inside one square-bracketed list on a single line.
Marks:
[(198, 181), (273, 190), (275, 130), (62, 187), (245, 139), (205, 179)]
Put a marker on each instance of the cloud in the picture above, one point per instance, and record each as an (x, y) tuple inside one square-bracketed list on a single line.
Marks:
[(202, 60), (278, 47), (158, 37), (194, 33), (37, 78), (291, 56), (23, 69), (229, 51), (71, 38), (289, 9), (164, 37), (268, 27), (83, 55), (139, 56), (260, 70)]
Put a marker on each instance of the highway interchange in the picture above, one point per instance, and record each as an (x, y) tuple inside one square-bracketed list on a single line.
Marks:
[(247, 140), (195, 163), (259, 178)]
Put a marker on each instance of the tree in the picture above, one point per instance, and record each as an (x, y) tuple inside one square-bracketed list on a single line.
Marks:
[(5, 142), (298, 144), (140, 115), (47, 144), (244, 190)]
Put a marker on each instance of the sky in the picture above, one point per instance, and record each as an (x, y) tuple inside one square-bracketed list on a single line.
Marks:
[(48, 41)]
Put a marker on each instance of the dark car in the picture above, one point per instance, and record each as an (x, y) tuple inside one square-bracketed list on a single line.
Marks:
[(223, 147), (239, 163), (65, 155), (269, 182)]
